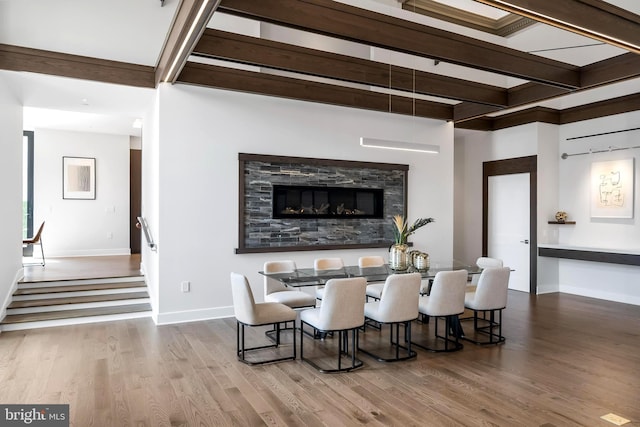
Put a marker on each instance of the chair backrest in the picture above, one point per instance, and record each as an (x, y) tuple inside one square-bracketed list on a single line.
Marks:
[(243, 302), (447, 293), (370, 261), (272, 285), (485, 262), (328, 264), (491, 293), (399, 300), (38, 235), (343, 304)]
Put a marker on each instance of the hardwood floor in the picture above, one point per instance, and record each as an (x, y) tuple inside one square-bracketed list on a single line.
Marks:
[(73, 268), (567, 361)]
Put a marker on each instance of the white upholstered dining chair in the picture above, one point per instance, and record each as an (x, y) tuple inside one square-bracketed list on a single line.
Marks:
[(250, 313), (398, 305), (374, 290), (323, 264), (490, 296), (275, 291), (446, 300), (342, 311), (484, 262)]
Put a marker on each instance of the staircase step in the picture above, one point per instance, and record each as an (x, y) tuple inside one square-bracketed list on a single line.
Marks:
[(77, 300), (78, 313), (25, 290), (69, 282)]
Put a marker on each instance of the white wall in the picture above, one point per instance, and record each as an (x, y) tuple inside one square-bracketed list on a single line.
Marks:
[(150, 203), (562, 185), (10, 192), (472, 149), (599, 280), (82, 227), (201, 133)]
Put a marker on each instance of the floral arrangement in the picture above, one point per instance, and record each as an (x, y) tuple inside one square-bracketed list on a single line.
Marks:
[(402, 230)]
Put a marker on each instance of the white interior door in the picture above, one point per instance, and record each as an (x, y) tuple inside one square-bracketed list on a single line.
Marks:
[(508, 222)]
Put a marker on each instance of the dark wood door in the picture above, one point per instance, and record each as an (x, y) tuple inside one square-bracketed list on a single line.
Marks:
[(135, 194)]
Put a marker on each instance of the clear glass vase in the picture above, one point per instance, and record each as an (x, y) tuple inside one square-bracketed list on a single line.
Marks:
[(399, 257)]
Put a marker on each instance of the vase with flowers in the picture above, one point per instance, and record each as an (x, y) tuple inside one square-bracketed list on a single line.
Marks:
[(398, 252)]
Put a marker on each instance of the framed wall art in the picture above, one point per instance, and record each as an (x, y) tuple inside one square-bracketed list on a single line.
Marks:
[(612, 189), (79, 178)]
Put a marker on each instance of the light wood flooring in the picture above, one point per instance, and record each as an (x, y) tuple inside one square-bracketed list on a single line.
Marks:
[(76, 268), (567, 361)]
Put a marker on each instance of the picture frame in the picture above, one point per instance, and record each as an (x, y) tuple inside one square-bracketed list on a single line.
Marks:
[(78, 178), (612, 188)]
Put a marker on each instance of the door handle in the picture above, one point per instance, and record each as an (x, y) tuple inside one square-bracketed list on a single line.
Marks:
[(525, 241)]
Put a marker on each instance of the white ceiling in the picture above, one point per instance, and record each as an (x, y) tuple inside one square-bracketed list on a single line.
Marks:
[(135, 30)]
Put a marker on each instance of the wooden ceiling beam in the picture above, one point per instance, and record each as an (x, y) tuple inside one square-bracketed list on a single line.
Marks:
[(591, 18), (612, 70), (17, 58), (286, 87), (351, 23), (266, 53), (190, 21), (609, 107)]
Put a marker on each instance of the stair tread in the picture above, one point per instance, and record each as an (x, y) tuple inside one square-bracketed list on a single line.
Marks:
[(84, 312), (72, 288), (77, 300)]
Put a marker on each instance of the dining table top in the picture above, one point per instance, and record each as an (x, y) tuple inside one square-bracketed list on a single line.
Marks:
[(312, 277)]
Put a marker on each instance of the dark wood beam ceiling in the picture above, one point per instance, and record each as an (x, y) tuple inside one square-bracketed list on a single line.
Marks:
[(612, 70), (287, 87), (592, 18), (16, 58), (265, 53), (609, 107), (350, 23), (343, 21)]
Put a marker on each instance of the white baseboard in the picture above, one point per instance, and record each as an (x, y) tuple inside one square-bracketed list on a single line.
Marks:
[(548, 288), (87, 252), (600, 294), (193, 315)]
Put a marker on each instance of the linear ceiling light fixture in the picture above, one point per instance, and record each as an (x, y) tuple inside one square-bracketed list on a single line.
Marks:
[(556, 22), (399, 145)]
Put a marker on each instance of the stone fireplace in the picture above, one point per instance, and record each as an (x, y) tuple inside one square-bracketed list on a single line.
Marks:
[(294, 203)]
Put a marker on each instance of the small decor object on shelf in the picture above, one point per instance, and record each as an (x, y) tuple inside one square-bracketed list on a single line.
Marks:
[(561, 216), (398, 252)]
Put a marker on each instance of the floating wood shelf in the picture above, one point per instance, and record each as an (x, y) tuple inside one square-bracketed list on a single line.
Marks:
[(562, 222), (590, 254)]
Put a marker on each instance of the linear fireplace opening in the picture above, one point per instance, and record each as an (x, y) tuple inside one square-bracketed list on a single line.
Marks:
[(296, 201)]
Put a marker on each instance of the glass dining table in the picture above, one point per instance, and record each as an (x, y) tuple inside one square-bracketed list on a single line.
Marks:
[(302, 277), (310, 277)]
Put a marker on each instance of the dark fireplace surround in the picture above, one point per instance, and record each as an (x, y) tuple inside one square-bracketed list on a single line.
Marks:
[(298, 203)]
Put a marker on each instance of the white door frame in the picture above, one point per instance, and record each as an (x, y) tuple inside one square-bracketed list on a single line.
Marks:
[(528, 165)]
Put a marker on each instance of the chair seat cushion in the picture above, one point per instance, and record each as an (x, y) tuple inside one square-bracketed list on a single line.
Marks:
[(471, 303), (271, 312), (311, 316), (371, 310), (293, 299), (375, 290), (319, 293), (423, 303), (468, 299)]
